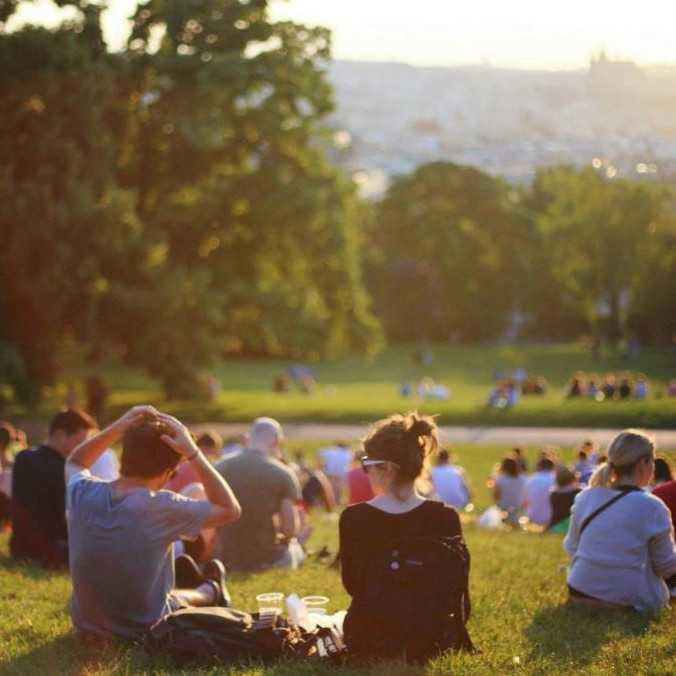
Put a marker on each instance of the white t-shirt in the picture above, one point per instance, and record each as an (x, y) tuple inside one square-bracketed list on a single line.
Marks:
[(538, 488), (449, 484), (337, 461), (107, 467)]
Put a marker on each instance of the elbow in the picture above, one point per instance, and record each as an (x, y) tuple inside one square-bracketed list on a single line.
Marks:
[(234, 513)]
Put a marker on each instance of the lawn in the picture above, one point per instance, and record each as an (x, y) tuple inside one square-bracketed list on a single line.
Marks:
[(360, 390), (520, 621)]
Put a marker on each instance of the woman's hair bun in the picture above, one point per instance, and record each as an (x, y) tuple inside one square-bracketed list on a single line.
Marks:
[(421, 426)]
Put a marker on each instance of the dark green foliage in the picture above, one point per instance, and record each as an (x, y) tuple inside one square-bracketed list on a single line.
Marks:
[(170, 205), (448, 255)]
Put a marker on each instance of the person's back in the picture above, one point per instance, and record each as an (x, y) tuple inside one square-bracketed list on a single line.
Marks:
[(621, 538), (511, 489), (538, 487), (449, 484), (38, 508), (261, 484), (106, 528), (122, 532), (402, 558)]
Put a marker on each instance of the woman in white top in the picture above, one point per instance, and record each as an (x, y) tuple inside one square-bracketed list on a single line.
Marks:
[(621, 553)]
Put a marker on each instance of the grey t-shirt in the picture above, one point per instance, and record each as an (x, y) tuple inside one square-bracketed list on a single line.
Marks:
[(625, 552), (121, 554), (260, 484)]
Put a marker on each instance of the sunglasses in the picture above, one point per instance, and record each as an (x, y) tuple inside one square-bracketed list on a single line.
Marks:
[(367, 462)]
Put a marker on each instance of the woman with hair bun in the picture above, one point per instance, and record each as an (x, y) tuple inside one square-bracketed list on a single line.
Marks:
[(621, 539), (386, 543)]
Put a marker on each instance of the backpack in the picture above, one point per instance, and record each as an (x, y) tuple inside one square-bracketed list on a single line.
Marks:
[(226, 635), (414, 602)]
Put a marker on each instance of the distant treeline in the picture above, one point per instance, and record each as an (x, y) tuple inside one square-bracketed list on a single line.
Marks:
[(173, 203)]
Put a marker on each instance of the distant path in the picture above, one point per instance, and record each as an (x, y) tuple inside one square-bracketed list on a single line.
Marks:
[(511, 436)]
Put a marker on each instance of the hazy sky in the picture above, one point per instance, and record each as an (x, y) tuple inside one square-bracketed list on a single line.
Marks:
[(512, 33)]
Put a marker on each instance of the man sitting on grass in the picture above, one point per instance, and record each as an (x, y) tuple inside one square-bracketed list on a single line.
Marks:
[(38, 492), (267, 535), (122, 532)]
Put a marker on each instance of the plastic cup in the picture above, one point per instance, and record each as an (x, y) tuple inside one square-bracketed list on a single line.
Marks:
[(270, 603), (316, 605)]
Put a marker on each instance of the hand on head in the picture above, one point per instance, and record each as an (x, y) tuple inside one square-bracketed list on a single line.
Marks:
[(177, 436), (138, 414)]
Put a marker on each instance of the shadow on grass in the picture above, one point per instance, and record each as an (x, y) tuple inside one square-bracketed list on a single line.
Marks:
[(576, 635), (26, 568)]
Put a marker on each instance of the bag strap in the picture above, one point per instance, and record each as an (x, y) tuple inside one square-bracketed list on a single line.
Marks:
[(624, 490)]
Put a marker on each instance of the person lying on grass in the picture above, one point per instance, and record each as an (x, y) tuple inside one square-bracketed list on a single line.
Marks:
[(621, 539), (121, 533)]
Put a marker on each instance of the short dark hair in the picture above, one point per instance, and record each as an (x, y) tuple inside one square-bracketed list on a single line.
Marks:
[(545, 465), (71, 421), (509, 467), (144, 454), (444, 456), (209, 439), (7, 434)]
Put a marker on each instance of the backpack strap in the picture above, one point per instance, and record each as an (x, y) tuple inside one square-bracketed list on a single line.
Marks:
[(624, 490)]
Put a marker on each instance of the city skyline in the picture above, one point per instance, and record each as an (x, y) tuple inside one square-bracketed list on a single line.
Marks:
[(441, 33)]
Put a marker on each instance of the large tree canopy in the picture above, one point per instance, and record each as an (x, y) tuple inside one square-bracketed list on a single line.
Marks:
[(173, 202), (447, 254)]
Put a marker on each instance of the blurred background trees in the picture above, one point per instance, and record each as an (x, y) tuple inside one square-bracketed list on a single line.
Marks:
[(173, 203)]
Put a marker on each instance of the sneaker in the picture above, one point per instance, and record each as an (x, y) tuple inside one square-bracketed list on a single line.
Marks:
[(214, 571), (188, 573)]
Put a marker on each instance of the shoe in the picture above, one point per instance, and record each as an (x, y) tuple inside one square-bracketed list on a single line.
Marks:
[(214, 571), (188, 573)]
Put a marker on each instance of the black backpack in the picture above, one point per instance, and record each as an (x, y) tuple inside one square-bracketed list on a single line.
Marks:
[(414, 602), (225, 635)]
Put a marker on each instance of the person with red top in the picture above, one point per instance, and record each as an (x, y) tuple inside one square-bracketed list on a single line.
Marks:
[(358, 483), (666, 492)]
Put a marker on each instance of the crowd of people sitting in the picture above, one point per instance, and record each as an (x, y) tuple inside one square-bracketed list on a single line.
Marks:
[(166, 520), (609, 387)]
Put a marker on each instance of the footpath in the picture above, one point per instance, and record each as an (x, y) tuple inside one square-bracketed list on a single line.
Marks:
[(509, 436)]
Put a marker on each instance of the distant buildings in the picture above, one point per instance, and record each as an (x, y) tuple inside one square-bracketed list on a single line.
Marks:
[(391, 118)]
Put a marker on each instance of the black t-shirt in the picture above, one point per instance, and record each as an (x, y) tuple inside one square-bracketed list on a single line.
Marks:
[(366, 530), (39, 528), (561, 502)]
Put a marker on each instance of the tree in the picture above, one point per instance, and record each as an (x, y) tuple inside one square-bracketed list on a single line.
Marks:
[(447, 254), (592, 229), (171, 204)]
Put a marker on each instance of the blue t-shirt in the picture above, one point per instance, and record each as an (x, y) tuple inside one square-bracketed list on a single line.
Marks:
[(121, 554)]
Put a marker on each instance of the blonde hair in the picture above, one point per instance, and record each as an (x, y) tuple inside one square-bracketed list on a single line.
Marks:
[(624, 452)]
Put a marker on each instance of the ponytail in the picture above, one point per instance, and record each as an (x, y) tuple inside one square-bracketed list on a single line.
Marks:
[(602, 477)]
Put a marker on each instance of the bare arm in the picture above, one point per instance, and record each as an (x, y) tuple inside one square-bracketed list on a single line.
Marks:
[(225, 507), (89, 451), (289, 520)]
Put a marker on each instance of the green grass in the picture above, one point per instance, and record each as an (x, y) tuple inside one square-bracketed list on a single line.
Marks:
[(358, 390), (520, 621)]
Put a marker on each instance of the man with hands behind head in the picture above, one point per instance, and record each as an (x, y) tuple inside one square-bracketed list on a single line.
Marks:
[(121, 533)]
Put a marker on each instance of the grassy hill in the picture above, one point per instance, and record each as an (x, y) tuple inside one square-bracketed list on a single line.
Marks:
[(360, 390), (520, 621)]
